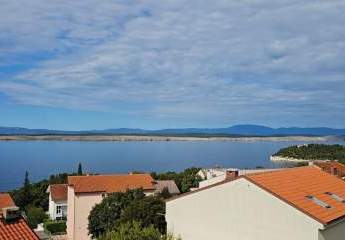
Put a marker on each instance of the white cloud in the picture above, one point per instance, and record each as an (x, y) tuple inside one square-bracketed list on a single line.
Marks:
[(186, 58)]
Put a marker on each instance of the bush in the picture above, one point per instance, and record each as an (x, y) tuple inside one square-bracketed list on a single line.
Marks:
[(132, 231), (55, 226), (35, 216)]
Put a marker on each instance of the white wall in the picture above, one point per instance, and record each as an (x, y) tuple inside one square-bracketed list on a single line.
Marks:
[(238, 210), (52, 208)]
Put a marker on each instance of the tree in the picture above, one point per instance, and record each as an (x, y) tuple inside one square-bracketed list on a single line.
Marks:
[(80, 170), (133, 231), (149, 211), (106, 215), (35, 216), (184, 180)]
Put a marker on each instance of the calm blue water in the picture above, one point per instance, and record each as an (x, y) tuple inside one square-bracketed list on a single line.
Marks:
[(43, 158)]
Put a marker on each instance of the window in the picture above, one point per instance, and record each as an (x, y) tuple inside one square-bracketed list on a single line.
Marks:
[(318, 202), (335, 197), (58, 210)]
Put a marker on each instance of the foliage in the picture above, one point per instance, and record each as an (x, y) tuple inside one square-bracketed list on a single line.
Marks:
[(105, 216), (314, 152), (165, 194), (80, 170), (124, 207), (55, 226), (133, 231), (184, 180), (149, 211), (35, 194), (35, 216), (136, 231)]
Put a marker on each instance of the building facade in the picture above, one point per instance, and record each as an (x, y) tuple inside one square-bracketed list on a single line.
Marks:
[(84, 192), (57, 201), (285, 204)]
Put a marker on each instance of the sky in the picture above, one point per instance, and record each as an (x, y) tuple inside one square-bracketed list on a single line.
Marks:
[(173, 63)]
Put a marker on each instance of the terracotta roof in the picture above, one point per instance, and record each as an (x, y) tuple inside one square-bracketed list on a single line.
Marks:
[(5, 201), (58, 192), (295, 184), (332, 167), (16, 230), (110, 183), (170, 184)]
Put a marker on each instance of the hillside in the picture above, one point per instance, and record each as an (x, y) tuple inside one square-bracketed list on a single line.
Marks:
[(313, 152), (237, 130)]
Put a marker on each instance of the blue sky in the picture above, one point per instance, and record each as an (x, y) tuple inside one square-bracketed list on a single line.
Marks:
[(172, 63)]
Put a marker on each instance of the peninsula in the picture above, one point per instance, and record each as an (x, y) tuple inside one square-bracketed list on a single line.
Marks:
[(311, 152)]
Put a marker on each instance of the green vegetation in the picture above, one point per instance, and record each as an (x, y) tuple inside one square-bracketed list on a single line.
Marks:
[(122, 207), (184, 180), (314, 152), (35, 194), (35, 216), (55, 227), (135, 231)]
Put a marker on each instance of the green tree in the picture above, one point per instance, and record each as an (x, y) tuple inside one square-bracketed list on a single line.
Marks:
[(35, 216), (184, 180), (106, 215), (149, 211), (80, 170)]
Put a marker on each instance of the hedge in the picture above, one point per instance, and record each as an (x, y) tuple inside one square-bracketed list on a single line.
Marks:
[(55, 226)]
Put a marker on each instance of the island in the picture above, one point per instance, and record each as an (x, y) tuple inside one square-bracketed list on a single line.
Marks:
[(311, 152)]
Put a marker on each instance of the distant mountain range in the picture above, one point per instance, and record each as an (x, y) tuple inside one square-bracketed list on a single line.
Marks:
[(238, 130)]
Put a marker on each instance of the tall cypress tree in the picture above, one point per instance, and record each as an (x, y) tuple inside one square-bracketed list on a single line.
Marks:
[(80, 170)]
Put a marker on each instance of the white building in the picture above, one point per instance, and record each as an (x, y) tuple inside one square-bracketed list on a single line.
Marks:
[(84, 192), (212, 176), (57, 201), (294, 204)]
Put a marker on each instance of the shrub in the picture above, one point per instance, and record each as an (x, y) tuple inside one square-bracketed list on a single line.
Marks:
[(132, 231), (55, 226), (35, 216)]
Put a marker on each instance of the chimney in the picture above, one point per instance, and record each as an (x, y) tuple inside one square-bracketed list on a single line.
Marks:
[(334, 171), (230, 175)]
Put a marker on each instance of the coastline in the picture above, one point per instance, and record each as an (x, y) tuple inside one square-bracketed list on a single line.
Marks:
[(287, 159), (165, 138)]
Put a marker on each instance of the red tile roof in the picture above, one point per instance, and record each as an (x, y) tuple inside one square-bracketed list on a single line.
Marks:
[(110, 183), (58, 192), (5, 201), (16, 229), (332, 167), (295, 184)]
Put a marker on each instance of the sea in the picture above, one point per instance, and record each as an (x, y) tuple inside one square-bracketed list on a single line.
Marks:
[(43, 158)]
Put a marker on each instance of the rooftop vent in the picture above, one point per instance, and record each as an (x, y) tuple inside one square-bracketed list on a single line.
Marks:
[(11, 213), (318, 202), (335, 197)]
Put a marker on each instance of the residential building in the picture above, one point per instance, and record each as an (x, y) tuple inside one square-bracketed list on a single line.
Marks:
[(303, 203), (12, 224), (84, 192), (215, 175), (170, 185), (57, 201)]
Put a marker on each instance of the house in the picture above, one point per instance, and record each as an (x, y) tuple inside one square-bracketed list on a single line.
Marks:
[(84, 192), (57, 201), (215, 175), (170, 185), (332, 167), (12, 225), (302, 203)]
